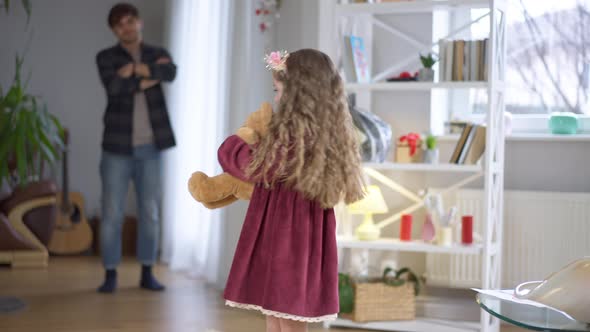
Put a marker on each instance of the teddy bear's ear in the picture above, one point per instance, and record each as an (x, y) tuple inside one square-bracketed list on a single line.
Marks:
[(248, 135), (266, 109)]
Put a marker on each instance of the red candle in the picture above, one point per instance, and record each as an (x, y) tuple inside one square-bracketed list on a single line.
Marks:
[(467, 230), (405, 230)]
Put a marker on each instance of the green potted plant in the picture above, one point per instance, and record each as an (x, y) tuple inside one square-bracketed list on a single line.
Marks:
[(395, 278), (29, 135), (346, 293), (426, 73), (431, 152), (25, 3)]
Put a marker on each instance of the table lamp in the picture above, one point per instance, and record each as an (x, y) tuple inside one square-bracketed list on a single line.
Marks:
[(372, 203)]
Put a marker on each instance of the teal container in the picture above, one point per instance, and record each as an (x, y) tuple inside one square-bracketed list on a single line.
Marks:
[(563, 123)]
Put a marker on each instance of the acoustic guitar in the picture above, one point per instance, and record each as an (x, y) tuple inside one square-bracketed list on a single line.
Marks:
[(72, 233)]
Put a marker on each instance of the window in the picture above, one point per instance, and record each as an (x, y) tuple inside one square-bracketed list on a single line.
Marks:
[(548, 56)]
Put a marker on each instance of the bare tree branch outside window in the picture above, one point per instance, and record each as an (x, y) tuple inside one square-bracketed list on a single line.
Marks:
[(549, 60)]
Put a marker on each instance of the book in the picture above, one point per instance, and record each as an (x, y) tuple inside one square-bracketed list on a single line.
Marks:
[(441, 60), (486, 61), (361, 63), (462, 60), (348, 62), (466, 57), (459, 57), (477, 147), (460, 143), (467, 144), (449, 61), (473, 60), (480, 60)]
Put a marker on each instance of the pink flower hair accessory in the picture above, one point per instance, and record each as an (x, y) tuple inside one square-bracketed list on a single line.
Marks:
[(276, 60)]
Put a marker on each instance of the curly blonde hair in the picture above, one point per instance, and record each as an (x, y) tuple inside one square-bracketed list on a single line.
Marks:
[(311, 144)]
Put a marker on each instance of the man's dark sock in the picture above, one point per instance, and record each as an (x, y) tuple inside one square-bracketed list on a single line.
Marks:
[(148, 281), (110, 282)]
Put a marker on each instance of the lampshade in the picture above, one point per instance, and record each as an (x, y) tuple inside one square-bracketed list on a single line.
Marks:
[(372, 203)]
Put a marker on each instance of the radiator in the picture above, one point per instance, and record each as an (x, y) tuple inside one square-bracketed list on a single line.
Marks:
[(543, 231)]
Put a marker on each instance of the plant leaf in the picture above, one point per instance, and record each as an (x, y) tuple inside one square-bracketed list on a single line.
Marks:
[(401, 271), (59, 139), (5, 118), (47, 148), (32, 130), (6, 146), (21, 151), (27, 6), (3, 172), (18, 65), (387, 271), (394, 282)]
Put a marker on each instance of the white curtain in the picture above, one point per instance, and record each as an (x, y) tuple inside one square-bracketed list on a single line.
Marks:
[(198, 40)]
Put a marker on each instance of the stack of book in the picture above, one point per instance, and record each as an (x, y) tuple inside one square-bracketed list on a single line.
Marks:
[(471, 145), (463, 60)]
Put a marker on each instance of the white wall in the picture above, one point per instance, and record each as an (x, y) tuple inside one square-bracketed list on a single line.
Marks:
[(298, 25), (67, 34)]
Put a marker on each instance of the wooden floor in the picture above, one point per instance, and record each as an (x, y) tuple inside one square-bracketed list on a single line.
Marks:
[(63, 298)]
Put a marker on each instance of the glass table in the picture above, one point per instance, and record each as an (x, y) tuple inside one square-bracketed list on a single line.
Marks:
[(528, 316)]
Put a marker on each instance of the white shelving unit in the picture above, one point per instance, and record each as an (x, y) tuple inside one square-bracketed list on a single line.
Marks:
[(412, 86), (531, 137), (389, 166), (489, 249), (410, 246), (422, 6)]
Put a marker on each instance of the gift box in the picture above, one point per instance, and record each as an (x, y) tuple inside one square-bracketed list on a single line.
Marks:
[(408, 149)]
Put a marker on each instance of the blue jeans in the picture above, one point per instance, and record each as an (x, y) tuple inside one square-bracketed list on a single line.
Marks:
[(144, 168)]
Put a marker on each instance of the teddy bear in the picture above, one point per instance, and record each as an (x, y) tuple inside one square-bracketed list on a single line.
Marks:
[(223, 189)]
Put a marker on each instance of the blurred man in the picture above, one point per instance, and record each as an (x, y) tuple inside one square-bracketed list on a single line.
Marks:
[(136, 129)]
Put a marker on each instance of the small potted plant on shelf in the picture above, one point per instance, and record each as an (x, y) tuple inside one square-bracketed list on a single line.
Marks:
[(431, 152), (426, 74)]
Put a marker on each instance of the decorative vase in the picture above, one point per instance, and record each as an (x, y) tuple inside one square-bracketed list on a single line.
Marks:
[(564, 123), (426, 75), (431, 156)]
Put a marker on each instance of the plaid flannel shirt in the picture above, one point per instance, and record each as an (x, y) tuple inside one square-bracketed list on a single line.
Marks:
[(118, 117)]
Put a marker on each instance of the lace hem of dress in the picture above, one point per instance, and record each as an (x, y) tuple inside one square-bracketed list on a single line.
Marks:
[(280, 314)]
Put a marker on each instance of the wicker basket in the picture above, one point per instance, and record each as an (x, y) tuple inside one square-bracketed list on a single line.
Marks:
[(376, 301)]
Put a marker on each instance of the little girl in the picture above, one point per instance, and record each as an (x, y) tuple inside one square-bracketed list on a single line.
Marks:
[(286, 263)]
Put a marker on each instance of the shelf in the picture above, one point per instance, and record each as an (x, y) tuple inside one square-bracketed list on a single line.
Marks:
[(413, 85), (530, 137), (388, 166), (412, 246), (422, 6), (549, 137), (417, 325)]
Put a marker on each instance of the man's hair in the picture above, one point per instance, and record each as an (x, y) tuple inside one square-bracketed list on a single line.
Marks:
[(121, 10)]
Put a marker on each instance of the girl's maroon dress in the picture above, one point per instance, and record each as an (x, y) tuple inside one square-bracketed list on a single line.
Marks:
[(286, 262)]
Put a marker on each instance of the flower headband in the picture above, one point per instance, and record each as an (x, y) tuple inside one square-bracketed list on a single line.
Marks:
[(276, 60)]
